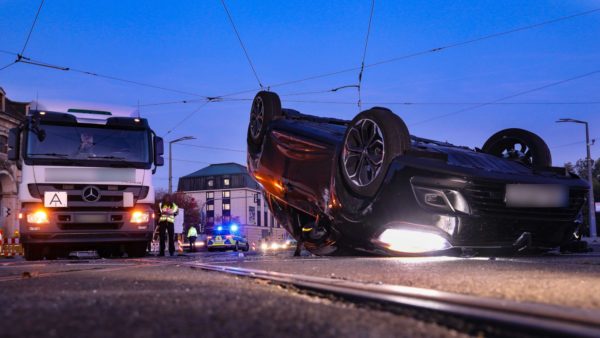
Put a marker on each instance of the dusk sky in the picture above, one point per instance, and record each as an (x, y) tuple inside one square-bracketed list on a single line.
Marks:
[(190, 46)]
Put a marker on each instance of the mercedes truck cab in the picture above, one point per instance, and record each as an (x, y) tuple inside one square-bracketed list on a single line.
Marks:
[(86, 182)]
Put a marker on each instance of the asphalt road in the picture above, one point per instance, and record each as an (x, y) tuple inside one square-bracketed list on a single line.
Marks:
[(162, 297)]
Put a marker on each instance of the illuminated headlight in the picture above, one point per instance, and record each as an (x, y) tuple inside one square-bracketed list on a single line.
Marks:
[(275, 246), (412, 241), (38, 217), (448, 200), (264, 247), (140, 217)]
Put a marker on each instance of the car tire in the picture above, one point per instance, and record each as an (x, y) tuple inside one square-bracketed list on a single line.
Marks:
[(265, 106), (33, 252), (533, 151), (371, 142), (247, 248)]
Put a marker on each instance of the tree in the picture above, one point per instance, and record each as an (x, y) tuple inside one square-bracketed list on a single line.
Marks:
[(580, 168), (186, 202)]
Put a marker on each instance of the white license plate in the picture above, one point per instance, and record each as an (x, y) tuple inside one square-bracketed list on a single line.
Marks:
[(55, 199), (536, 196)]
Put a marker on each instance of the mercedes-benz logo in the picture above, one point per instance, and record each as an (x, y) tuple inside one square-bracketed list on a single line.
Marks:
[(90, 194)]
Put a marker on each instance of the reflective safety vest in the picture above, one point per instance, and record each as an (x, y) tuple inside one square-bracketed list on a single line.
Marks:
[(168, 213), (192, 232)]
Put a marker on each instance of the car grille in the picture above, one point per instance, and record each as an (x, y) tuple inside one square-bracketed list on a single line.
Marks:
[(487, 198)]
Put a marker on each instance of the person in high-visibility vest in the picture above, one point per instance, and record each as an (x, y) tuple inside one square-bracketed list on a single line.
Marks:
[(166, 223), (192, 235)]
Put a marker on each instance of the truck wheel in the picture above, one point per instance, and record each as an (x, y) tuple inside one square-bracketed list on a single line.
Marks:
[(521, 146), (373, 139), (136, 249), (265, 107), (33, 252)]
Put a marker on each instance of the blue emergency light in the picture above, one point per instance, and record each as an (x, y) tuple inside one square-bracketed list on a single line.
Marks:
[(234, 227), (219, 228)]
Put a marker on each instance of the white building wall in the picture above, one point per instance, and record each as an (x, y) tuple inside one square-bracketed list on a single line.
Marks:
[(245, 210)]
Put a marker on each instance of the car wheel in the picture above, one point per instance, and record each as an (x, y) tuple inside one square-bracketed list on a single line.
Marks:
[(33, 252), (373, 139), (247, 248), (265, 106), (521, 146)]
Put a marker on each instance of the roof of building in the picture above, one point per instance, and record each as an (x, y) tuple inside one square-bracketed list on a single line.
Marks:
[(230, 168)]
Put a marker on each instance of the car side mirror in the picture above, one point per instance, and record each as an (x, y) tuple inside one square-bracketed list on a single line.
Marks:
[(159, 150), (14, 142)]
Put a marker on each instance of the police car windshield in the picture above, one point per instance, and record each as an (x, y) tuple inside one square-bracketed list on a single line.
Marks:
[(90, 143)]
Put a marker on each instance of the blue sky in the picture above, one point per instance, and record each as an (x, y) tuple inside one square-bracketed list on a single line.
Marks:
[(190, 46)]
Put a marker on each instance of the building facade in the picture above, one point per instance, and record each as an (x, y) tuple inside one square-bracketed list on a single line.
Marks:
[(227, 194), (12, 113)]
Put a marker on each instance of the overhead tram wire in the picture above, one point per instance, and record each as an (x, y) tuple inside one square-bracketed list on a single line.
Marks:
[(521, 93), (420, 53), (187, 117), (242, 44), (362, 64), (37, 14)]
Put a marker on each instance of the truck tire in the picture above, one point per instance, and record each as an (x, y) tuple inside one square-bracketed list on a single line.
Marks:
[(33, 252), (136, 250)]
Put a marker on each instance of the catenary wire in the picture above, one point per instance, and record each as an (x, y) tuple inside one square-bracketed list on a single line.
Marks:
[(242, 44), (364, 56), (477, 106), (37, 14)]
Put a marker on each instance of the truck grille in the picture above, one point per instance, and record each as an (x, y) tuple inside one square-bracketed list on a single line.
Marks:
[(487, 198), (110, 195)]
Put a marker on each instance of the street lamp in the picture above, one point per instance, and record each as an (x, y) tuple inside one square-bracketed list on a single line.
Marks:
[(185, 138), (591, 204)]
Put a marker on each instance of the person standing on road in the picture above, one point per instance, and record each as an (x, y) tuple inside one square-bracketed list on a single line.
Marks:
[(166, 223), (192, 235)]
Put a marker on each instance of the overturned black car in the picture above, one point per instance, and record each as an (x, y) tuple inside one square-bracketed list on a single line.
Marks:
[(368, 186)]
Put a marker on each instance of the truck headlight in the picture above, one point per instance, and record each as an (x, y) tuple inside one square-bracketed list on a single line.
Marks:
[(38, 217), (140, 217)]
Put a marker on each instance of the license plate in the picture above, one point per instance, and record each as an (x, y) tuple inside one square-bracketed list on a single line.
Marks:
[(537, 196), (55, 199), (99, 218)]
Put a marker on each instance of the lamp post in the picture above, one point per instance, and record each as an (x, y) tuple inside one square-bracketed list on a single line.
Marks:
[(590, 164), (185, 138)]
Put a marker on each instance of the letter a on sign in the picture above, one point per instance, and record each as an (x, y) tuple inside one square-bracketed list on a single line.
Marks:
[(55, 199)]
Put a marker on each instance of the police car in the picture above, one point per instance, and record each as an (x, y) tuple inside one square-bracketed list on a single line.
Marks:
[(227, 238)]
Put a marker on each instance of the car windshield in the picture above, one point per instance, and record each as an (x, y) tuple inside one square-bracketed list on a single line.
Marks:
[(89, 143)]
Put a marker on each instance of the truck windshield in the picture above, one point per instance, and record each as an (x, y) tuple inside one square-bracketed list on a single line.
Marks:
[(89, 143)]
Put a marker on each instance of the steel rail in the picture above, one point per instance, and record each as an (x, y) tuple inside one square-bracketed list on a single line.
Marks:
[(555, 320)]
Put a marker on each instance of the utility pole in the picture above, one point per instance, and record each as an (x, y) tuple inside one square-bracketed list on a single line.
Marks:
[(185, 138), (590, 164)]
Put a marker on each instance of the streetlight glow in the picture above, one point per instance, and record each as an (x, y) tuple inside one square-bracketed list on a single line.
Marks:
[(184, 138)]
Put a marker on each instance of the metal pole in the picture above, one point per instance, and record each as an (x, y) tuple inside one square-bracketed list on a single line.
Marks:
[(170, 168), (591, 203)]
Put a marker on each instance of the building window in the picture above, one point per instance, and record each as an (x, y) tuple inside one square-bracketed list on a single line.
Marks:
[(210, 207), (226, 182), (226, 194), (210, 195), (3, 144), (210, 183), (226, 219), (226, 206)]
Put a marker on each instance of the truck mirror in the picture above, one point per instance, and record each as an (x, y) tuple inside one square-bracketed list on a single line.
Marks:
[(159, 150), (14, 141)]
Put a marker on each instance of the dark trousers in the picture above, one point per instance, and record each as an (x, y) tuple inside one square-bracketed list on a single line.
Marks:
[(163, 228), (192, 240)]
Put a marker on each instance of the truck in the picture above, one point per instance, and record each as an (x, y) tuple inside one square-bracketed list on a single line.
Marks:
[(86, 182)]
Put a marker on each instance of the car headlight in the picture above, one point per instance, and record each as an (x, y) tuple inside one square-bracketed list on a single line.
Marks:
[(413, 241), (140, 217), (38, 217), (443, 199), (264, 247)]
